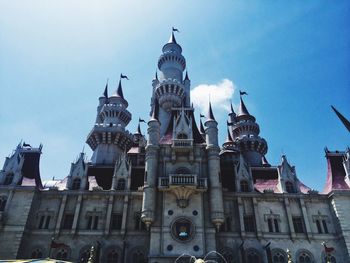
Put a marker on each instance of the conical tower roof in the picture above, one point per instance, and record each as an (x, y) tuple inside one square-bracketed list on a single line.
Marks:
[(229, 137), (155, 113), (201, 127), (243, 112), (119, 91), (210, 115), (172, 38)]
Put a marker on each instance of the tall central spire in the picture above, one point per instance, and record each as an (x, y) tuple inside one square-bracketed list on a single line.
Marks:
[(170, 88)]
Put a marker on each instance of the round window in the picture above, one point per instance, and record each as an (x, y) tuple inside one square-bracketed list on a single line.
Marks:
[(182, 229)]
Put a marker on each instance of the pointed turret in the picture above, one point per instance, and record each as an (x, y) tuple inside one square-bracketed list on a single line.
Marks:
[(186, 76), (229, 137), (138, 131), (232, 111), (155, 112), (109, 138), (201, 127), (210, 115), (243, 113), (172, 38), (245, 132), (119, 91)]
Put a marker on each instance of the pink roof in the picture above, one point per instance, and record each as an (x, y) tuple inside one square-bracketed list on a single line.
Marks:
[(335, 173), (266, 184)]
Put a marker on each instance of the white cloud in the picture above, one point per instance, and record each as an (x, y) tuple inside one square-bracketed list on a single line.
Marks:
[(220, 95)]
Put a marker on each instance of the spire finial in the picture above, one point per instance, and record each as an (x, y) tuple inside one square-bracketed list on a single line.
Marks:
[(120, 90), (232, 111), (210, 115), (155, 112), (186, 76), (105, 93), (229, 137), (242, 108)]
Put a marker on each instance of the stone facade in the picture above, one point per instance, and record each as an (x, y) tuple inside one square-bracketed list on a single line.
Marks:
[(153, 198)]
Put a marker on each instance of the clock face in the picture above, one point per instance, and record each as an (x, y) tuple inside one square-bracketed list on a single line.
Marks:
[(182, 229)]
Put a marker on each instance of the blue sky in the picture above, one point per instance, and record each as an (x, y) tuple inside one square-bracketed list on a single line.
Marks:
[(292, 57)]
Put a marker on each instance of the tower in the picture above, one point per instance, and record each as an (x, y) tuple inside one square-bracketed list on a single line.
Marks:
[(170, 89), (245, 133), (213, 149), (109, 137)]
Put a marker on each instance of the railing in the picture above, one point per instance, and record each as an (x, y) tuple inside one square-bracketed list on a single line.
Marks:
[(182, 142), (182, 180)]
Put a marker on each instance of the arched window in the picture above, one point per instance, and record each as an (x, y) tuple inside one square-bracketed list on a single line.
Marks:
[(37, 253), (244, 186), (84, 255), (3, 200), (228, 255), (8, 178), (279, 256), (253, 256), (76, 184), (121, 184), (182, 136), (290, 187), (305, 257), (138, 257), (62, 254), (112, 256)]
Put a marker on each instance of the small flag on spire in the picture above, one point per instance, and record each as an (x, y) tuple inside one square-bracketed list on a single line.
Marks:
[(141, 120), (123, 76), (175, 30), (241, 93)]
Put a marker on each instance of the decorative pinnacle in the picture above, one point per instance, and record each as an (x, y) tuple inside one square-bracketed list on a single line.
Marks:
[(242, 108), (210, 115), (120, 90), (201, 127), (186, 76), (229, 137), (172, 38), (155, 113)]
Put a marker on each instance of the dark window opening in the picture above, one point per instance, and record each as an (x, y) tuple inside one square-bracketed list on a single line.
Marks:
[(289, 187), (68, 221), (3, 201), (139, 224), (41, 222), (318, 225), (121, 184), (249, 223), (325, 228), (76, 184), (270, 225), (277, 228), (8, 179), (298, 225), (116, 222), (182, 136), (244, 186)]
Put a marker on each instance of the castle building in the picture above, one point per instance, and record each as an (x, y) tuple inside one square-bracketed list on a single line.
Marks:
[(151, 198)]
